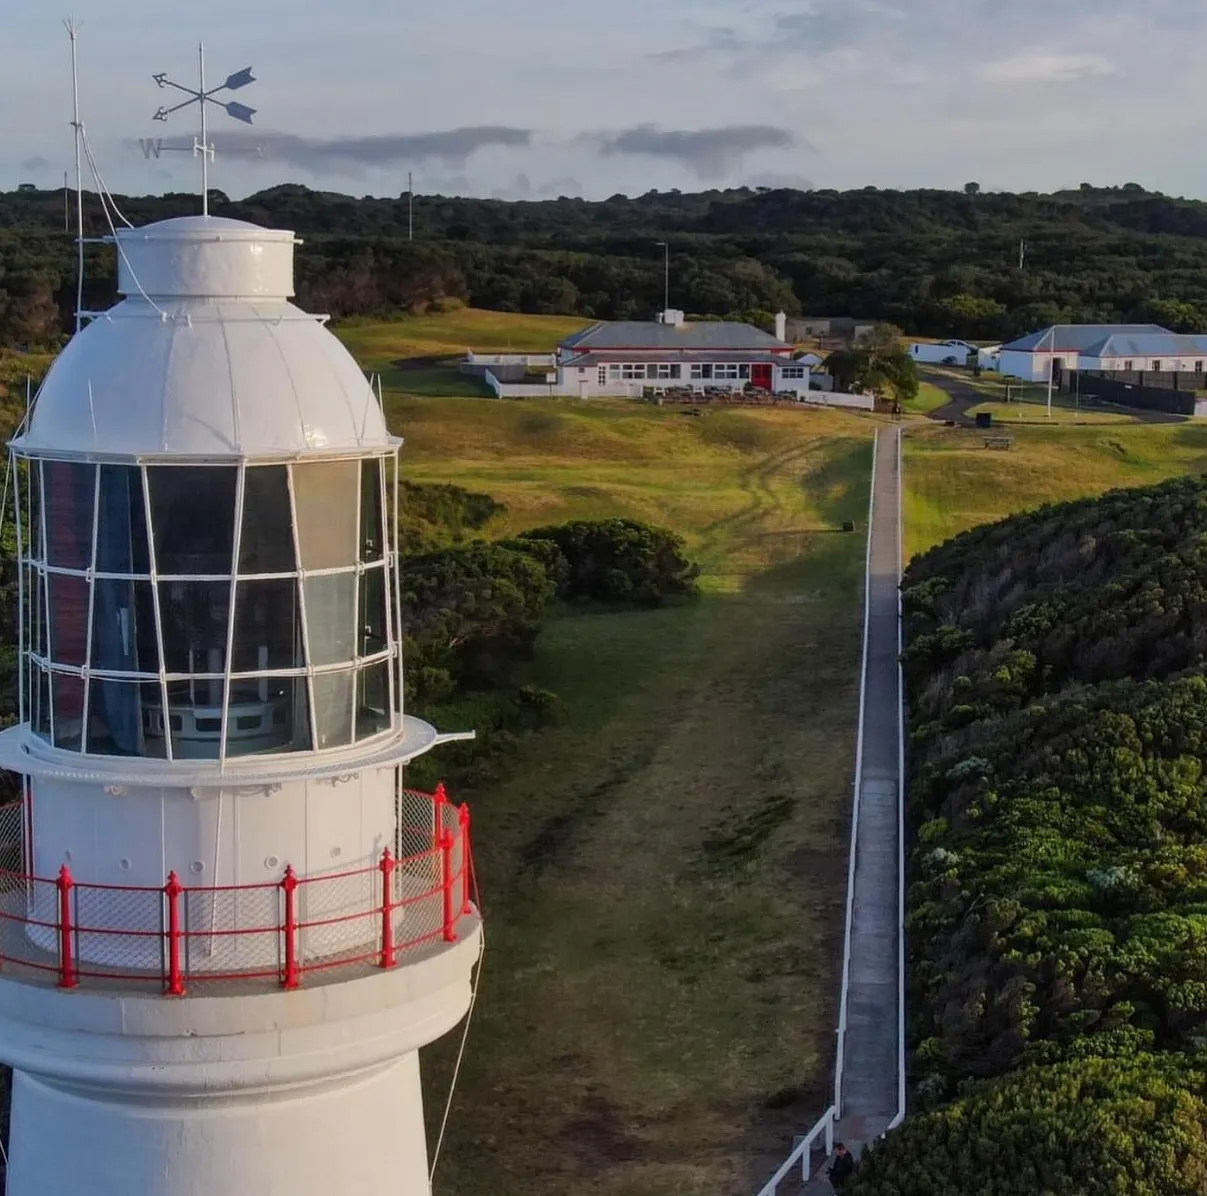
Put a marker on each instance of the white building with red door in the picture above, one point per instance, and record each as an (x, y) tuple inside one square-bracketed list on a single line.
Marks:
[(630, 358)]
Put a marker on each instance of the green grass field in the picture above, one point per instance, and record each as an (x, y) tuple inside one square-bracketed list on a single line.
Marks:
[(1012, 413), (930, 398), (663, 869), (441, 339), (952, 482)]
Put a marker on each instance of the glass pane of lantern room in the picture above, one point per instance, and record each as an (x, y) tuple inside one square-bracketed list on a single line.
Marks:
[(33, 509), (372, 617), (40, 692), (330, 617), (373, 699), (372, 546), (123, 627), (121, 532), (69, 495), (125, 718), (333, 693), (266, 543), (68, 697), (193, 518), (268, 626), (194, 615), (326, 494), (68, 619), (268, 714), (195, 718)]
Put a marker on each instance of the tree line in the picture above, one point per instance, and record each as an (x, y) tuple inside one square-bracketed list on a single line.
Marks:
[(934, 262), (1057, 904)]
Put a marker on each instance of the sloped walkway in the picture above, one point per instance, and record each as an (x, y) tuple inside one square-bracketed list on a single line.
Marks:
[(870, 1074)]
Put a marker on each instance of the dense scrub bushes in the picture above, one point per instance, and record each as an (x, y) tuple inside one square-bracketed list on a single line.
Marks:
[(619, 560), (1135, 1127), (1057, 921), (471, 611)]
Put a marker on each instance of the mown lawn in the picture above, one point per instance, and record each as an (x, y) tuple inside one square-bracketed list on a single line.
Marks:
[(442, 338), (929, 398), (952, 482), (663, 870)]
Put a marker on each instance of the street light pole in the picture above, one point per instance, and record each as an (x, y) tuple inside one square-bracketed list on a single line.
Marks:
[(666, 287)]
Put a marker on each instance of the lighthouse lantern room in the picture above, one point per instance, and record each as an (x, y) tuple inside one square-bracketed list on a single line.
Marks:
[(226, 926)]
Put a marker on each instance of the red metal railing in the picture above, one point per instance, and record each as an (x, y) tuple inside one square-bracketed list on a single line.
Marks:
[(176, 936)]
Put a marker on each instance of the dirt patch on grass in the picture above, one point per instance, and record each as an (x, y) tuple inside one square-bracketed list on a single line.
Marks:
[(597, 1136)]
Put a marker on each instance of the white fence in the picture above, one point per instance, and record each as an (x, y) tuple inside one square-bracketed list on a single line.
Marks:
[(527, 360), (519, 390)]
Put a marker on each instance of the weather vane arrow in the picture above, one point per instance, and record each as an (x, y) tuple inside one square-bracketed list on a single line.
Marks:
[(203, 98)]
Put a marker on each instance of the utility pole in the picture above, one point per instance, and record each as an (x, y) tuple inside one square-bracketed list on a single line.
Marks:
[(666, 284), (410, 206), (1022, 256)]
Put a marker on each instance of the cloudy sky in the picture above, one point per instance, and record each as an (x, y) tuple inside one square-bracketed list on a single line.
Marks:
[(581, 97)]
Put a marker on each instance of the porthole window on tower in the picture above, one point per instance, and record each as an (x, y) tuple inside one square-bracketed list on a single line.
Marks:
[(202, 611)]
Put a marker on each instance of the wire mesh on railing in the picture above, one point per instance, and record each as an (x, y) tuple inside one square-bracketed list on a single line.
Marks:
[(77, 932)]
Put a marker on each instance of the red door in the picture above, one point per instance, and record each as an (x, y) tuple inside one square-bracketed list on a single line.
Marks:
[(760, 376)]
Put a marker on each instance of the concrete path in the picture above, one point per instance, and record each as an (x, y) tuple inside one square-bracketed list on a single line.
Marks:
[(870, 1071)]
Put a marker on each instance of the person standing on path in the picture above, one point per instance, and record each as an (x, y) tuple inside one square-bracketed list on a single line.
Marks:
[(841, 1167)]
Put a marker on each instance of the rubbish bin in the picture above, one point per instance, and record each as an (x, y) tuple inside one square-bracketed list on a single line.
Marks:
[(984, 419)]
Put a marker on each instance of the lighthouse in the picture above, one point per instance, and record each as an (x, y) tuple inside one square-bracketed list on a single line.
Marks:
[(226, 925)]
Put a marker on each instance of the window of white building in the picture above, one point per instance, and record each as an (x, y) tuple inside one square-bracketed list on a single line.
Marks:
[(792, 371)]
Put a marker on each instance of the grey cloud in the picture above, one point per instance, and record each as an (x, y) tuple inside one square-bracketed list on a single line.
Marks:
[(324, 155), (708, 153), (37, 162)]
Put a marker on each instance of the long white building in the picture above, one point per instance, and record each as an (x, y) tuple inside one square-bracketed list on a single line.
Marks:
[(1114, 348), (226, 928)]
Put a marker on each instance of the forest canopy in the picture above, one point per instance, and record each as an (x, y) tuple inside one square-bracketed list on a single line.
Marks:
[(934, 262), (1056, 666)]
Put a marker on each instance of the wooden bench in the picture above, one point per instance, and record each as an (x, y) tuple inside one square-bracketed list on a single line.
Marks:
[(999, 442)]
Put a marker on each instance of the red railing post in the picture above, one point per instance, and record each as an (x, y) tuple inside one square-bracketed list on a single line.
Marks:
[(463, 817), (174, 983), (289, 886), (440, 800), (67, 974), (446, 883), (388, 864)]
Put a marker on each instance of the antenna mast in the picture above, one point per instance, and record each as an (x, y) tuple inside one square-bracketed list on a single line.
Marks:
[(72, 32)]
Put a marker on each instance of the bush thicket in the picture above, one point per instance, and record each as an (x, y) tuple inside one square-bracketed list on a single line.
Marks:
[(1057, 924)]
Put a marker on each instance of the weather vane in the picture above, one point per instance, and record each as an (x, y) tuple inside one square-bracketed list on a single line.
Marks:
[(201, 97)]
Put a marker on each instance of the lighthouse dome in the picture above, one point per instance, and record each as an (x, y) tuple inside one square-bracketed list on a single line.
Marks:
[(205, 356)]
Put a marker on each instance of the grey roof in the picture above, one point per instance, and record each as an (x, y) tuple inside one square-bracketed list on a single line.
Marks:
[(683, 356), (640, 334), (1148, 344), (1076, 337)]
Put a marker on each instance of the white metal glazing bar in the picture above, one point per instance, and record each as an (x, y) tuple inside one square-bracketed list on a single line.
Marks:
[(240, 491), (397, 566), (22, 647), (392, 639), (297, 556), (163, 660), (356, 589), (45, 600), (96, 515)]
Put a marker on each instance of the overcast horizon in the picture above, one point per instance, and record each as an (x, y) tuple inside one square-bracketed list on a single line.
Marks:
[(558, 97)]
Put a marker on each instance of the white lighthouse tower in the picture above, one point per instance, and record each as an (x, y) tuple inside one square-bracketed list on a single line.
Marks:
[(225, 926)]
